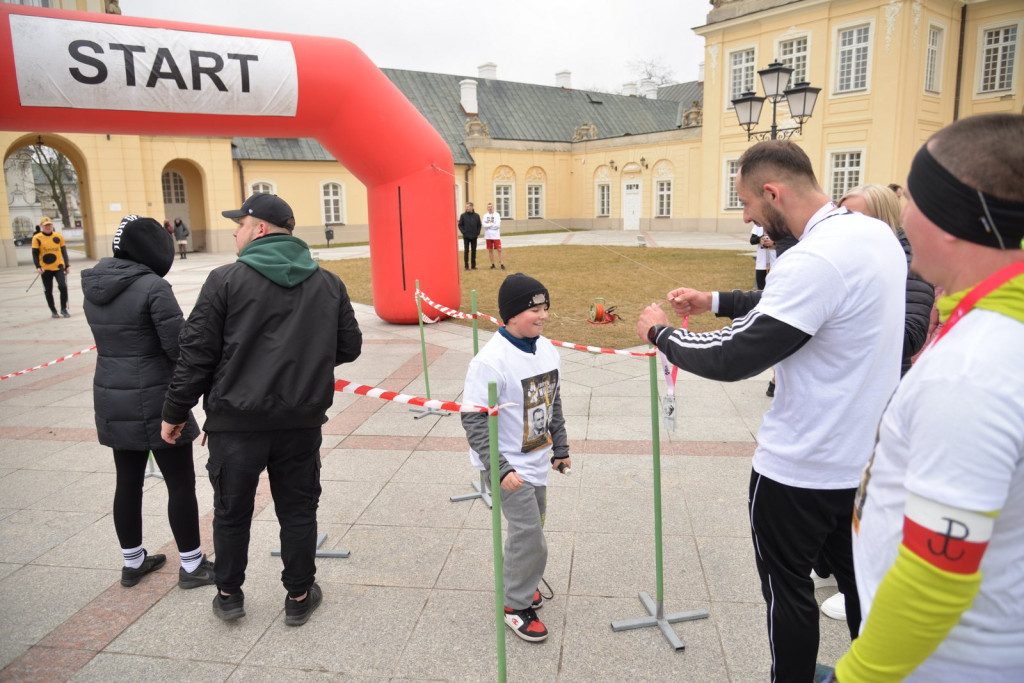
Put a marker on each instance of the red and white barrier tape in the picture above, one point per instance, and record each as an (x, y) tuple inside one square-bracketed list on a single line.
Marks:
[(52, 362), (598, 349), (453, 313), (569, 345), (375, 392)]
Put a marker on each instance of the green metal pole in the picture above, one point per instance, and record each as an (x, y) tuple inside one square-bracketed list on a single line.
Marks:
[(423, 341), (499, 578), (476, 338), (656, 447)]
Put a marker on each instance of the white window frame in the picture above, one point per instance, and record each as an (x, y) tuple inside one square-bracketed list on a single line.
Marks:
[(504, 205), (869, 57), (788, 60), (261, 181), (729, 96), (979, 69), (933, 56), (832, 154), (341, 199), (729, 186), (603, 205), (662, 198), (535, 200)]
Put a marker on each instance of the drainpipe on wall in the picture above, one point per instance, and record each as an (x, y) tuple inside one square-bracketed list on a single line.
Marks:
[(241, 179), (467, 186), (960, 63)]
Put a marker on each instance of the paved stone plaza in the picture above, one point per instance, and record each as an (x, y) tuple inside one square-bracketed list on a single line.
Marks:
[(414, 601)]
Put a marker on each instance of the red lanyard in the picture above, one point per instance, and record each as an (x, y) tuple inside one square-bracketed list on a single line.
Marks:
[(986, 287)]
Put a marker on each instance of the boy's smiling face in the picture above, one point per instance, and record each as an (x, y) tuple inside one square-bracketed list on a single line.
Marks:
[(529, 323)]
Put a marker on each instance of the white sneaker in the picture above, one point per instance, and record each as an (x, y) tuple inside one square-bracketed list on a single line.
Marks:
[(835, 607), (822, 583)]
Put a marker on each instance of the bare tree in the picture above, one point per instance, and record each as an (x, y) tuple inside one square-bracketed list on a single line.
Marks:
[(58, 173), (652, 69)]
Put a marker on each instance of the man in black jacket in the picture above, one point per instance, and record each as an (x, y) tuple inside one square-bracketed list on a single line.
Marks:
[(260, 347), (469, 226)]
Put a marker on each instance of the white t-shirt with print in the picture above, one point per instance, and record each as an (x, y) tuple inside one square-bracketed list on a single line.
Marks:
[(492, 226), (528, 381), (954, 434), (843, 283)]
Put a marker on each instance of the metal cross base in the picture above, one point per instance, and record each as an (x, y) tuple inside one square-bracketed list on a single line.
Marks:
[(424, 412), (482, 493), (320, 538), (152, 471), (660, 619)]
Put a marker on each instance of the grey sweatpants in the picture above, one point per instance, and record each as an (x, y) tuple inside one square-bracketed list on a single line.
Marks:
[(526, 550)]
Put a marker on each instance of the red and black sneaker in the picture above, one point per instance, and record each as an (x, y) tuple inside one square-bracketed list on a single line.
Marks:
[(538, 600), (525, 624)]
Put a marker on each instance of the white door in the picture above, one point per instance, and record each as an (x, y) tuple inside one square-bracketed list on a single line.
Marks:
[(631, 205), (176, 201)]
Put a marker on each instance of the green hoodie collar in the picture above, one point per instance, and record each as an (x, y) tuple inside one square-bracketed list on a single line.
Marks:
[(282, 259), (1007, 299)]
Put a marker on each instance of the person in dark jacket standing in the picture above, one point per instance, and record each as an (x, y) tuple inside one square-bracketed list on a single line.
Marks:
[(469, 226), (181, 234), (260, 347), (135, 321)]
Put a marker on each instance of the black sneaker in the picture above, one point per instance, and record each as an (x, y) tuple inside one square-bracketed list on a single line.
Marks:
[(296, 612), (200, 576), (771, 389), (64, 314), (467, 268), (492, 266), (525, 624), (538, 600), (130, 577), (503, 266), (229, 607), (53, 314)]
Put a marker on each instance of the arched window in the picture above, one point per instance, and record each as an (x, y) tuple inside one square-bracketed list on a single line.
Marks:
[(535, 180), (262, 187), (504, 191), (333, 196), (174, 187)]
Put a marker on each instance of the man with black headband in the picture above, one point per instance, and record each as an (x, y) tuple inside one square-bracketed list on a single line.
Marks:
[(260, 347), (830, 319), (939, 518)]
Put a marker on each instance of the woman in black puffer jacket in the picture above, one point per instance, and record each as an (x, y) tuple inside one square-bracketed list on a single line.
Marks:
[(135, 321)]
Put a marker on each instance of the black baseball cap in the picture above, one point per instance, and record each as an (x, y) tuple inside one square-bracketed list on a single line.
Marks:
[(268, 207)]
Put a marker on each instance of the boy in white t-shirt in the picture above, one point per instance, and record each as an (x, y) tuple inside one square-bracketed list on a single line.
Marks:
[(531, 435), (492, 235)]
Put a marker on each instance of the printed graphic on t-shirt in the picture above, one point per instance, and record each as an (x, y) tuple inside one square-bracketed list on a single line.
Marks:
[(538, 395)]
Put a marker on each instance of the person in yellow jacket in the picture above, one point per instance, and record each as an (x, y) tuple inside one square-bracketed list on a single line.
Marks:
[(50, 256)]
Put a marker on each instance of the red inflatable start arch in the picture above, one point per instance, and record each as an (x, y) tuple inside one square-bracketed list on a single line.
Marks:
[(90, 73)]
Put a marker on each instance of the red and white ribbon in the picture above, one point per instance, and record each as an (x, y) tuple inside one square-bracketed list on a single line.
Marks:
[(375, 392), (452, 312), (52, 362), (569, 345), (598, 349)]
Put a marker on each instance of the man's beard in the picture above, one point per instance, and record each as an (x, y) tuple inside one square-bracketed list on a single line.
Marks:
[(775, 224)]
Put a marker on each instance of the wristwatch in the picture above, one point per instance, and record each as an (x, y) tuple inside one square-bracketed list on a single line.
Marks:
[(653, 331)]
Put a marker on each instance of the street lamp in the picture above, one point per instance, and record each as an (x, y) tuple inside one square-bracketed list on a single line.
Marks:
[(774, 81)]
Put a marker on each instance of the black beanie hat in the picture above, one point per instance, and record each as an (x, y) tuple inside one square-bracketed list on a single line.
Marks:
[(519, 292), (144, 241)]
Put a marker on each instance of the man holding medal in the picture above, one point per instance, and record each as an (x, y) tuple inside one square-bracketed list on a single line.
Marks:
[(939, 517)]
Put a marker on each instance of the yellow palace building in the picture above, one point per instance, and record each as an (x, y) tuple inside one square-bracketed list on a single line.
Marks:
[(890, 73)]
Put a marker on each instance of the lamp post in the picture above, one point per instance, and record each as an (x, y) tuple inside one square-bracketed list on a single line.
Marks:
[(774, 81)]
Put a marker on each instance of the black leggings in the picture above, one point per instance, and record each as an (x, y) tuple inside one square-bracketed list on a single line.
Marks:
[(179, 473)]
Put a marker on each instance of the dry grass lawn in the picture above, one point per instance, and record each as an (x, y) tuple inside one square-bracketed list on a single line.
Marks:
[(577, 276)]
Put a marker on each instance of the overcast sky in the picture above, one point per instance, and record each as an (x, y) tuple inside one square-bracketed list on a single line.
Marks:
[(529, 40)]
